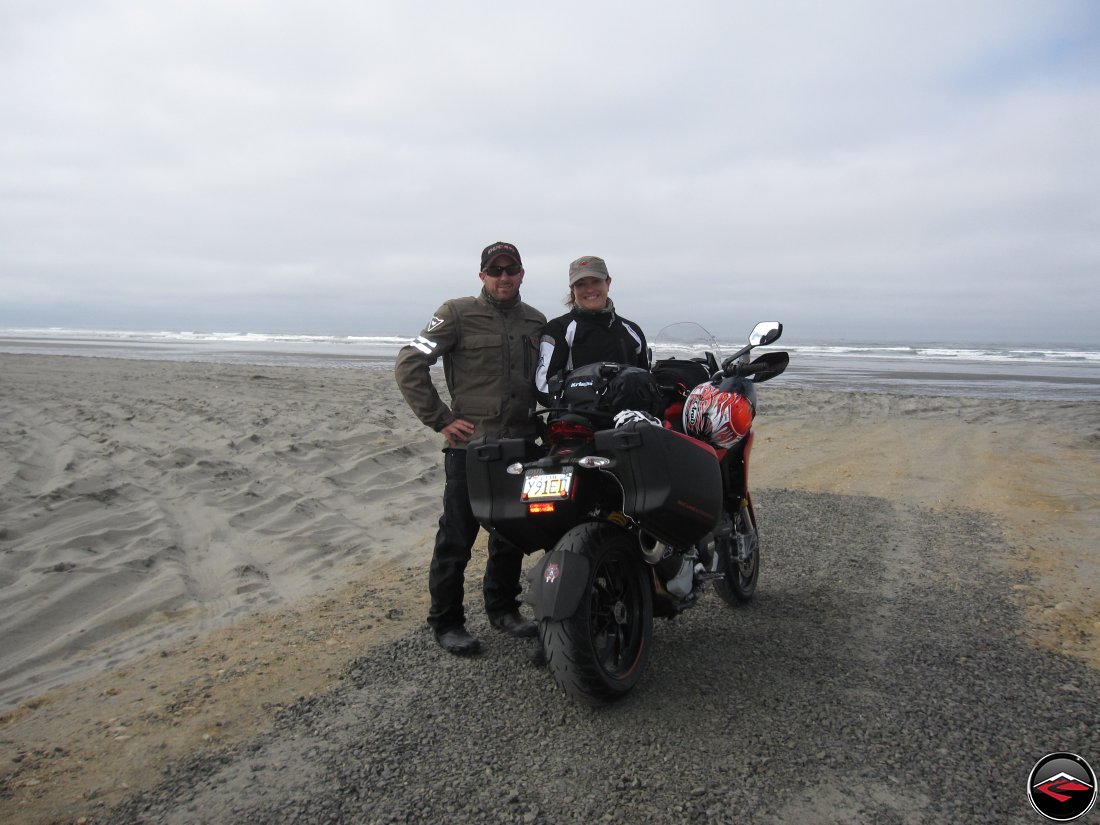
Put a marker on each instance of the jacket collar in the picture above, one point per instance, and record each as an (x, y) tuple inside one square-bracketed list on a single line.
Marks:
[(511, 303), (607, 313)]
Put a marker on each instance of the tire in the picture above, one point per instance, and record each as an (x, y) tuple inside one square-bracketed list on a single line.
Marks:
[(738, 584), (599, 653)]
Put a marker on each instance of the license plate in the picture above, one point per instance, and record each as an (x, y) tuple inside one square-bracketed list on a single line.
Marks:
[(541, 486)]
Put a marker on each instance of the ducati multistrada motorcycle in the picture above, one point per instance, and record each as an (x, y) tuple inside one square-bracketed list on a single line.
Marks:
[(639, 494)]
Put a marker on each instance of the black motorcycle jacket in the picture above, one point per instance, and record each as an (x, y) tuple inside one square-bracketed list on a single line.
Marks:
[(579, 338)]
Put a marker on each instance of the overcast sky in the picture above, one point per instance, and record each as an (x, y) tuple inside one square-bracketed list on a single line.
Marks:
[(857, 170)]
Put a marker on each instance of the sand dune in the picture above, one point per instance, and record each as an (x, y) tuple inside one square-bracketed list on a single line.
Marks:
[(143, 500)]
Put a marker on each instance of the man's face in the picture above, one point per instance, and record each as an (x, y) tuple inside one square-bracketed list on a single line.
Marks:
[(498, 277)]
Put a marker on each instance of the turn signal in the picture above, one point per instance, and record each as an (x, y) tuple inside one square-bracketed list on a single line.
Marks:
[(595, 462)]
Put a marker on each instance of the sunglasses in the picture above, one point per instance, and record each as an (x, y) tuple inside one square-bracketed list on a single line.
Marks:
[(497, 271)]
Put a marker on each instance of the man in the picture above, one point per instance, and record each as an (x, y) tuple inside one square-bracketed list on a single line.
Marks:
[(488, 344)]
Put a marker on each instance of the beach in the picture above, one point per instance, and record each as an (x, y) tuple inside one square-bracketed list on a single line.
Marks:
[(186, 548)]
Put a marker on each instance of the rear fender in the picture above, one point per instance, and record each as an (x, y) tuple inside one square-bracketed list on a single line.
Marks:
[(558, 582)]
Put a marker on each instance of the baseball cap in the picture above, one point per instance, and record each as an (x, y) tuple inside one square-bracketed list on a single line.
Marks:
[(588, 267), (498, 248)]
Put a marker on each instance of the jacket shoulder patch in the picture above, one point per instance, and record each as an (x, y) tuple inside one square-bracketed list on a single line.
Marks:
[(434, 323)]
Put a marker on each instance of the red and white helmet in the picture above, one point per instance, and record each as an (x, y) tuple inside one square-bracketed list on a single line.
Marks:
[(719, 418)]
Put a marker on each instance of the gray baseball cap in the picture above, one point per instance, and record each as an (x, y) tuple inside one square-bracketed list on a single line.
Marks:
[(588, 267)]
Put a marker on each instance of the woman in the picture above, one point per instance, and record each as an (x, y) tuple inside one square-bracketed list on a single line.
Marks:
[(590, 332)]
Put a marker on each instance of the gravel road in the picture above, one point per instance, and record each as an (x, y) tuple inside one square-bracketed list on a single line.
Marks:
[(878, 677)]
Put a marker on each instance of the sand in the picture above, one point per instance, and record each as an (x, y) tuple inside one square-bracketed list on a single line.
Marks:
[(186, 548)]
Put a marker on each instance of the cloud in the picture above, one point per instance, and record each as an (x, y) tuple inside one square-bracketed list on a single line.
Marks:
[(844, 166)]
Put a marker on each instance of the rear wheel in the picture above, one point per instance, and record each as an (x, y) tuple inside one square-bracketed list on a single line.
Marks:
[(738, 558), (598, 654)]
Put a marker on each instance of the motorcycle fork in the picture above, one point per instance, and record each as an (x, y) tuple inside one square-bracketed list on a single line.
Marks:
[(741, 541), (735, 481)]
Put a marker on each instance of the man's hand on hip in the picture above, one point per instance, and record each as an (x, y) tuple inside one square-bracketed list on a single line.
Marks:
[(458, 432)]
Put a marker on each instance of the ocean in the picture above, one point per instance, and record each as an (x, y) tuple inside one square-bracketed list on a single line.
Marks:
[(1031, 371)]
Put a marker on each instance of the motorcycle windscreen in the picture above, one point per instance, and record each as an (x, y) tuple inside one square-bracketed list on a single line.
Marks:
[(672, 483)]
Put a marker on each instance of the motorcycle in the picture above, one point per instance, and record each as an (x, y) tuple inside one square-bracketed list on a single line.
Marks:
[(639, 494)]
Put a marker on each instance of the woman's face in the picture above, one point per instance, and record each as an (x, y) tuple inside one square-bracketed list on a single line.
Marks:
[(591, 293)]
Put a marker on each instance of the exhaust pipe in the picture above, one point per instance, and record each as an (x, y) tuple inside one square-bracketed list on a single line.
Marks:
[(652, 550)]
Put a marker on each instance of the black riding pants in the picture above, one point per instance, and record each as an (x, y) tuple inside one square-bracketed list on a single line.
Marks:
[(453, 543)]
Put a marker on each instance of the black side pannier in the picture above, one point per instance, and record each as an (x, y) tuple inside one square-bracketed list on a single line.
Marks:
[(610, 388), (495, 494), (672, 484)]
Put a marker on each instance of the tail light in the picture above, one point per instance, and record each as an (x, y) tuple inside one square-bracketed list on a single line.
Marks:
[(570, 431)]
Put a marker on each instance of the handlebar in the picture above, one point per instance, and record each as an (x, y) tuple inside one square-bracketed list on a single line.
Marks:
[(766, 367), (738, 370)]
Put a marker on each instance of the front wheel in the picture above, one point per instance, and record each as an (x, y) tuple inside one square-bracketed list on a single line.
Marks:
[(598, 654), (738, 557)]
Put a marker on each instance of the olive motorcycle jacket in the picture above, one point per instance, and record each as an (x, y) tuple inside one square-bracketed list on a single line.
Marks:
[(489, 350)]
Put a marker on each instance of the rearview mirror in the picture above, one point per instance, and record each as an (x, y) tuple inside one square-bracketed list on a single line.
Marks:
[(765, 332)]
